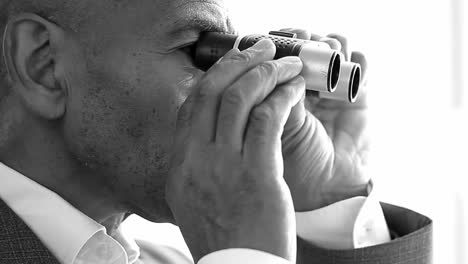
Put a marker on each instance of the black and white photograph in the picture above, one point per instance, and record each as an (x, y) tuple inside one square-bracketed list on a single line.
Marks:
[(233, 132)]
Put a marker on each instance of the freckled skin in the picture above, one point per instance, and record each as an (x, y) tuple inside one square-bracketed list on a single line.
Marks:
[(124, 97)]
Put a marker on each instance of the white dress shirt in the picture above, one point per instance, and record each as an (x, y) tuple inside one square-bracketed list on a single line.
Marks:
[(74, 238)]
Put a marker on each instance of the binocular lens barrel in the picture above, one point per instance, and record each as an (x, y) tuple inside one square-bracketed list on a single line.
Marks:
[(322, 65), (348, 83)]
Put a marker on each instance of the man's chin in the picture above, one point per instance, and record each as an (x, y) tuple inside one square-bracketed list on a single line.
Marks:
[(162, 215)]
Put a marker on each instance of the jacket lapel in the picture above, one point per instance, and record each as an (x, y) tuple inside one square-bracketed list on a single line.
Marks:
[(18, 244)]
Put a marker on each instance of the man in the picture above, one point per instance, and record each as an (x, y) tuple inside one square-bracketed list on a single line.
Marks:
[(103, 114)]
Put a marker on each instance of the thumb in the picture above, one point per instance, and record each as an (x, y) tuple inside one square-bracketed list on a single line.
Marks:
[(296, 118)]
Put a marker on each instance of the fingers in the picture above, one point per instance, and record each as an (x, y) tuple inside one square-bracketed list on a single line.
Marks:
[(266, 121), (250, 90), (334, 43), (228, 55), (301, 33), (184, 114), (315, 37), (213, 84), (344, 44), (360, 58)]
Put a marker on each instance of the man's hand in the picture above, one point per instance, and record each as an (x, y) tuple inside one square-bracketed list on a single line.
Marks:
[(226, 187), (324, 146)]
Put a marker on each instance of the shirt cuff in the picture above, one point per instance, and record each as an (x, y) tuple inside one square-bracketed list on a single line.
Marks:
[(242, 255), (353, 223)]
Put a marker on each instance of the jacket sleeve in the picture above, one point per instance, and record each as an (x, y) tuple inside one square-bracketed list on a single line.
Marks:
[(411, 243)]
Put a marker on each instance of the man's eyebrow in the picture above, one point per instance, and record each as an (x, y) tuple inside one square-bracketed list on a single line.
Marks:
[(196, 24)]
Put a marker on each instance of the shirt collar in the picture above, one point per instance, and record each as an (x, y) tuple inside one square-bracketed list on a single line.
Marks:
[(63, 229)]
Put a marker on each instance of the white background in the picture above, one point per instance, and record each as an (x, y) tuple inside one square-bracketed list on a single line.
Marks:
[(418, 118)]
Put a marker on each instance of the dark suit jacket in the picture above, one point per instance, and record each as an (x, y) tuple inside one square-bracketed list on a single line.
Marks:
[(412, 243), (18, 244)]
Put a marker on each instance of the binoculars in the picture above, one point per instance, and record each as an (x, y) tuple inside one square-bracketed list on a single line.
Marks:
[(324, 69)]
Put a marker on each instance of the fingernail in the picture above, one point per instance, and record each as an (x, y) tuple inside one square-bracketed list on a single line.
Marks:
[(291, 60), (262, 45)]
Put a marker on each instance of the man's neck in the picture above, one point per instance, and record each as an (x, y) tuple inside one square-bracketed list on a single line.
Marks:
[(43, 159)]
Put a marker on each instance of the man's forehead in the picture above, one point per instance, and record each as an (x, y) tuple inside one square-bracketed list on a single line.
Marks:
[(167, 24), (198, 14), (182, 3)]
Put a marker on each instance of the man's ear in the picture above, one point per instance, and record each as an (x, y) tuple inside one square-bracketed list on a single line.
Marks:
[(31, 48)]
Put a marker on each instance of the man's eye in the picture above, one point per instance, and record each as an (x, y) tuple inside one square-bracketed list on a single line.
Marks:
[(189, 50)]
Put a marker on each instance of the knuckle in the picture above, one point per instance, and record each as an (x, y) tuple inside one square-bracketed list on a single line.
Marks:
[(358, 57), (315, 37), (335, 44), (269, 67), (231, 53), (300, 80), (299, 85), (244, 56), (263, 118), (266, 69), (234, 96), (338, 37), (301, 33), (206, 86), (287, 92), (261, 113)]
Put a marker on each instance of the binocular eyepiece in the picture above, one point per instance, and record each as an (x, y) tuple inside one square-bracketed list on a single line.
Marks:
[(324, 70)]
